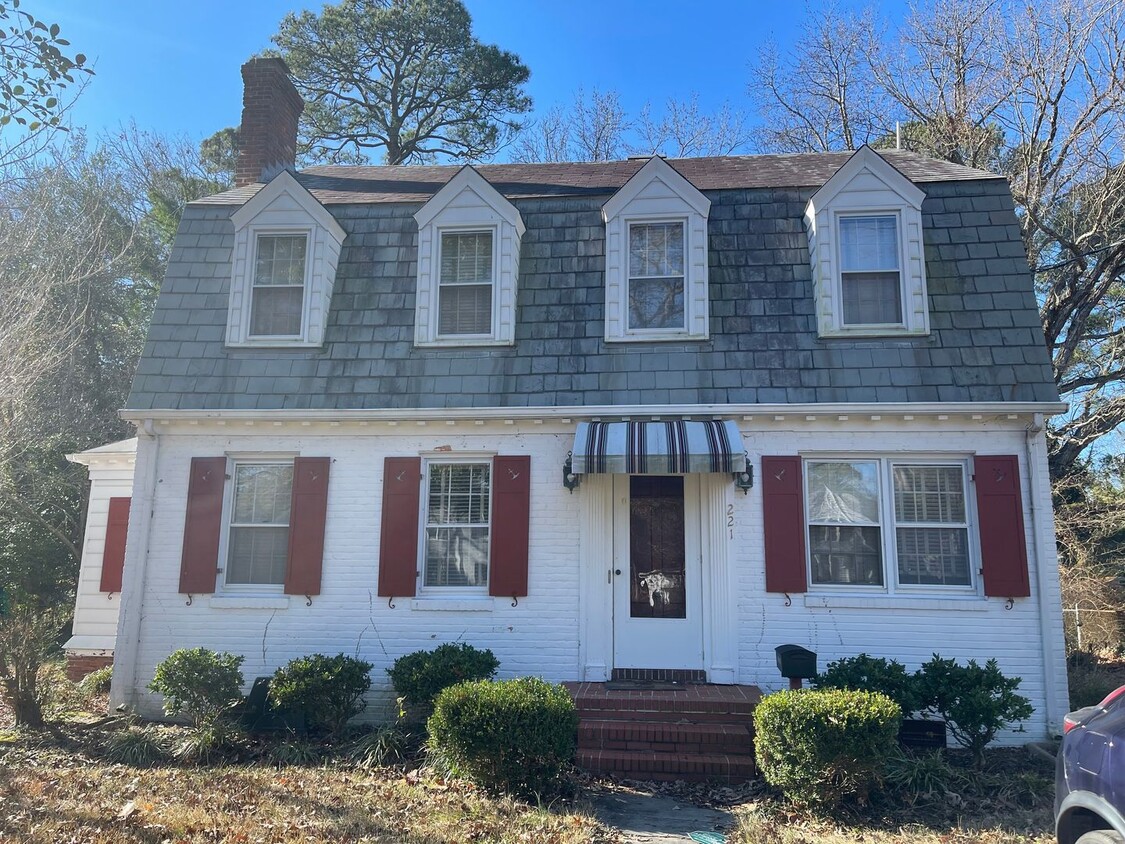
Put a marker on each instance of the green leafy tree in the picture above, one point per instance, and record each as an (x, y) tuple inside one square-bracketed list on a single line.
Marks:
[(407, 77), (34, 69)]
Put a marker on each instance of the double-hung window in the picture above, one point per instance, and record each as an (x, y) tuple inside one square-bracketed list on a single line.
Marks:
[(870, 271), (466, 282), (883, 523), (656, 276), (458, 509), (277, 298), (258, 537)]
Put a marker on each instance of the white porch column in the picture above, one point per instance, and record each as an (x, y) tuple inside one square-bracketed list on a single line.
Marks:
[(720, 645), (595, 550)]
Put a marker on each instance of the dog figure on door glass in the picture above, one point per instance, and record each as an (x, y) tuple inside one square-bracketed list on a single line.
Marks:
[(659, 583)]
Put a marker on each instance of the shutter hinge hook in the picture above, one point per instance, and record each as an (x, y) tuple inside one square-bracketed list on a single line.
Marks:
[(308, 600), (188, 603), (515, 601), (788, 600), (1008, 604), (391, 602)]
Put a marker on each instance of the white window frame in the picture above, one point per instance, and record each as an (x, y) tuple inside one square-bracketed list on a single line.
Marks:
[(657, 333), (900, 253), (233, 462), (423, 524), (888, 527), (256, 233), (466, 339)]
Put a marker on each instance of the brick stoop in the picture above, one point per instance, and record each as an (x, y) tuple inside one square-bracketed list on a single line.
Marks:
[(697, 732)]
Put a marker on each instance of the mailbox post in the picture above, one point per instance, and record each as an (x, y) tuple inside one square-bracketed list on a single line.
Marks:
[(796, 663)]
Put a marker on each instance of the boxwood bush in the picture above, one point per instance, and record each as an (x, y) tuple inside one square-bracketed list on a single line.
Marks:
[(419, 677), (512, 736), (198, 683), (328, 689), (821, 746), (865, 673)]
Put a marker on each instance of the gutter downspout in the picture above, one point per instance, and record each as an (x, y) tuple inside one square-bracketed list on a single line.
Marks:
[(123, 689), (1046, 575)]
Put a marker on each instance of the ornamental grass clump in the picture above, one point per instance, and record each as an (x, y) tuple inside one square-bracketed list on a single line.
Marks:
[(822, 746), (514, 736)]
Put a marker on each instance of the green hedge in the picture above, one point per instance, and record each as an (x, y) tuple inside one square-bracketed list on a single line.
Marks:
[(865, 673), (328, 689), (820, 746), (420, 676), (513, 736)]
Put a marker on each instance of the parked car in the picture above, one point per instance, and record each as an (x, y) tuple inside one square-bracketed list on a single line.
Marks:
[(1090, 774)]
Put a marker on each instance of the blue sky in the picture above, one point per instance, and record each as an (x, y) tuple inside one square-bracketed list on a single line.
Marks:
[(174, 68)]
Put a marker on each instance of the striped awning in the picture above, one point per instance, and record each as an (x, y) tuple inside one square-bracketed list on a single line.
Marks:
[(657, 448)]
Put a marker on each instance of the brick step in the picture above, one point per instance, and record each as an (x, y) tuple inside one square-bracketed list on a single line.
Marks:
[(730, 767), (684, 707), (664, 737), (645, 716)]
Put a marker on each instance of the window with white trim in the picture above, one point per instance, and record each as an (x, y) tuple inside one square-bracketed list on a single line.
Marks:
[(867, 251), (457, 526), (283, 268), (656, 276), (466, 281), (277, 295), (870, 270), (923, 506), (258, 526)]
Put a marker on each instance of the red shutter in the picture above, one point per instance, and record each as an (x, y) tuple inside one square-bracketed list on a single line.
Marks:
[(1003, 545), (398, 531), (783, 506), (200, 562), (511, 515), (113, 552), (306, 525)]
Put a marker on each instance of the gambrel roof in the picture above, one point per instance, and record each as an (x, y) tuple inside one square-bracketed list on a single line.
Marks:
[(985, 342)]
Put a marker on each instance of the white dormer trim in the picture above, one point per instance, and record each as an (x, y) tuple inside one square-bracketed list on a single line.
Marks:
[(284, 207), (867, 186), (468, 203), (656, 193)]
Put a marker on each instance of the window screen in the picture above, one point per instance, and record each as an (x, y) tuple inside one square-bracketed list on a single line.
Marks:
[(465, 283), (656, 275), (278, 293)]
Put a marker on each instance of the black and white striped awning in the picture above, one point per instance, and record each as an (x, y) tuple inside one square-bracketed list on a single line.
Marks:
[(657, 448)]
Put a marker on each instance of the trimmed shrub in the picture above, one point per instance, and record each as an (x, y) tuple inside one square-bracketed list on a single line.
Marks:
[(328, 689), (198, 683), (975, 702), (420, 676), (865, 673), (511, 736), (821, 746)]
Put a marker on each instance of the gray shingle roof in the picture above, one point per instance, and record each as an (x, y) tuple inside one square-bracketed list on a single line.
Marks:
[(985, 344), (334, 185)]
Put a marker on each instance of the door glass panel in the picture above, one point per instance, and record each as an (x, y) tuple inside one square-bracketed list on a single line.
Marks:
[(656, 547)]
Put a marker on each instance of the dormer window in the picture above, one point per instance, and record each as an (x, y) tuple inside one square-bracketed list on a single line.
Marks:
[(468, 265), (465, 283), (865, 246), (656, 258), (286, 246), (656, 276), (278, 295), (870, 274)]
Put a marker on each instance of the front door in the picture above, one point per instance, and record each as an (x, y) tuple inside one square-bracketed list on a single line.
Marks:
[(657, 569)]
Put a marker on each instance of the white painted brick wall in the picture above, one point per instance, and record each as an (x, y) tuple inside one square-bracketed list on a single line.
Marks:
[(540, 635)]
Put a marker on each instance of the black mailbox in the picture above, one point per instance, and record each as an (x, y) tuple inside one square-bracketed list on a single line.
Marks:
[(796, 662)]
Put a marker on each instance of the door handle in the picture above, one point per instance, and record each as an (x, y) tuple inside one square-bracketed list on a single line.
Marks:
[(617, 572)]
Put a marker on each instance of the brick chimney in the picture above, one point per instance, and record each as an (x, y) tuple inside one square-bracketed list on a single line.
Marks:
[(271, 108)]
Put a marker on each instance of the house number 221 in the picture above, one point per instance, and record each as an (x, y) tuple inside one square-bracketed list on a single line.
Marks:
[(730, 520)]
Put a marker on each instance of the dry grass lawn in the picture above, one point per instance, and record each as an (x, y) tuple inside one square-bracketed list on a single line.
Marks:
[(52, 790)]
